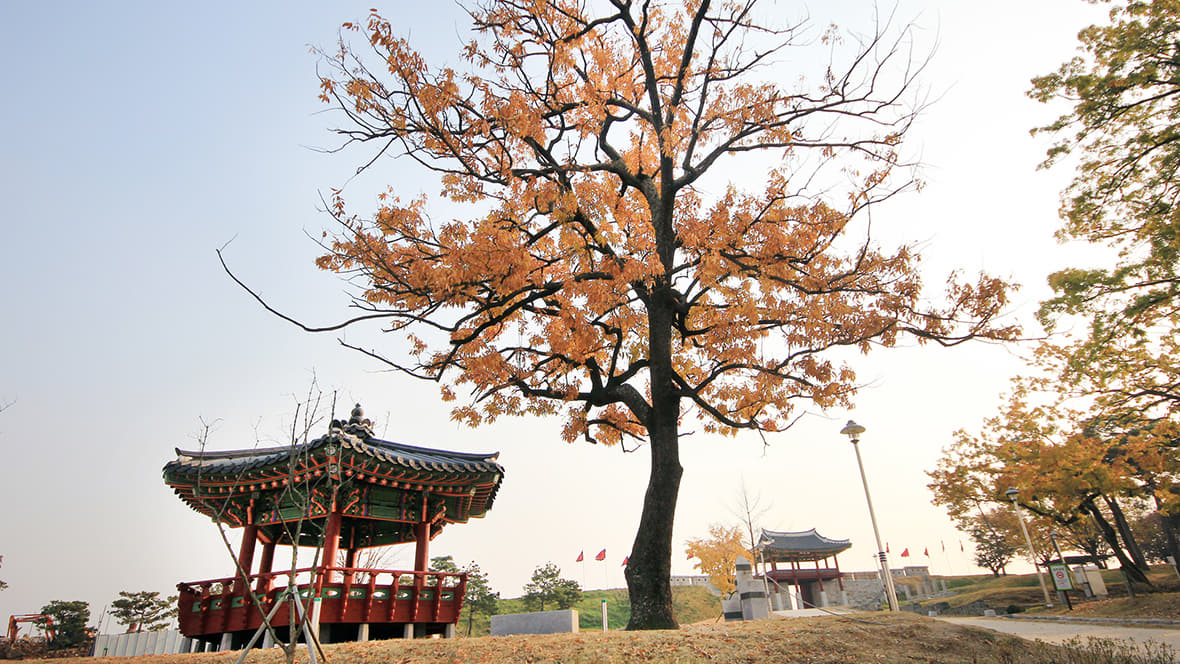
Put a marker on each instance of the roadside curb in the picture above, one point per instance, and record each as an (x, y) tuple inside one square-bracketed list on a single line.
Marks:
[(1146, 622)]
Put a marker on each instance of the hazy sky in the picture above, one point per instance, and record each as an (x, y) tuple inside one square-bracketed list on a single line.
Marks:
[(138, 137)]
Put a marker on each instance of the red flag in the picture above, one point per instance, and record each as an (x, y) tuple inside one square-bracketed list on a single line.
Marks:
[(579, 557), (625, 559), (601, 555), (926, 551), (943, 545), (906, 553), (887, 547), (961, 545), (689, 555)]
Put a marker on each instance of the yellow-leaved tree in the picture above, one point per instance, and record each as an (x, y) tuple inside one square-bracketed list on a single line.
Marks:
[(607, 272), (717, 555)]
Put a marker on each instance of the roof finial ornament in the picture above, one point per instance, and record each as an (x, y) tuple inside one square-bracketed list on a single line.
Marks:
[(358, 415)]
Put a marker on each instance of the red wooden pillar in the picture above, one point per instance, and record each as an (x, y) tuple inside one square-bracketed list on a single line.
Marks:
[(421, 546), (819, 575), (266, 566), (331, 543), (245, 557), (839, 579), (349, 562)]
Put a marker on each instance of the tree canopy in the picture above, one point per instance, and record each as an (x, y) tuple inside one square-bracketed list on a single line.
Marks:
[(143, 610), (1123, 134), (69, 621), (601, 268), (548, 588), (717, 555)]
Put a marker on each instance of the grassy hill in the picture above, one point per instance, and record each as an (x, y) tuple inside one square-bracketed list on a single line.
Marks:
[(692, 604)]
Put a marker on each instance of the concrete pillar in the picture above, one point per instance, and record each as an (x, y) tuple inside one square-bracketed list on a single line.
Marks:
[(267, 640), (823, 599), (227, 640), (449, 632), (186, 645), (750, 591), (408, 631), (362, 632), (843, 597), (906, 588), (314, 621)]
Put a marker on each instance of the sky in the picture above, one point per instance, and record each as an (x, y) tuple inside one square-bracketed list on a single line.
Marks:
[(140, 137)]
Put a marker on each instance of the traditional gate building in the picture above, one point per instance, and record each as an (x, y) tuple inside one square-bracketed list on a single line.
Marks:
[(344, 492), (798, 585)]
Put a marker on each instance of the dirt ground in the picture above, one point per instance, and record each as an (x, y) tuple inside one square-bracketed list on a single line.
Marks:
[(871, 637)]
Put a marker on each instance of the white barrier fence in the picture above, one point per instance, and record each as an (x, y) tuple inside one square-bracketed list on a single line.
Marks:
[(168, 642)]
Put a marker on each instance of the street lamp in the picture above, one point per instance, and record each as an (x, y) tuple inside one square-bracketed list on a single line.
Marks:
[(1012, 493), (853, 431)]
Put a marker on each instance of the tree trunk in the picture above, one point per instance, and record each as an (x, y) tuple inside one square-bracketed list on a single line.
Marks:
[(649, 568), (1169, 523), (1130, 570), (1124, 528)]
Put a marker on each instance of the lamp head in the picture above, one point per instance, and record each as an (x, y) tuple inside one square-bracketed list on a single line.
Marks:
[(853, 431), (1012, 492)]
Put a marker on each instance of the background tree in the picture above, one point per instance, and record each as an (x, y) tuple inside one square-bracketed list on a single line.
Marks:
[(444, 564), (749, 507), (143, 610), (717, 555), (3, 585), (993, 551), (603, 272), (479, 597), (69, 622), (1068, 469), (547, 587)]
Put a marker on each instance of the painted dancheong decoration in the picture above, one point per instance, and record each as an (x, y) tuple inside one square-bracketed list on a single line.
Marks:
[(345, 492)]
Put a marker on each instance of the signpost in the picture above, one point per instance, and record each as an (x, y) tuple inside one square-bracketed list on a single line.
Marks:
[(1062, 581)]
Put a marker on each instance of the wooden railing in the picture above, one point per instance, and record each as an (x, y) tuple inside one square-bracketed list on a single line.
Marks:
[(346, 594)]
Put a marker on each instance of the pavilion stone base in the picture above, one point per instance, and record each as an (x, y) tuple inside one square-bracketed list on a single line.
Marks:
[(335, 633)]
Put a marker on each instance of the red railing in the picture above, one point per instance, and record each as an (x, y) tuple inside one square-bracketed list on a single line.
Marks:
[(347, 595)]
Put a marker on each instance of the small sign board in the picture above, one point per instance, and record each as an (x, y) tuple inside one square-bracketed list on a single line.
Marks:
[(1060, 574)]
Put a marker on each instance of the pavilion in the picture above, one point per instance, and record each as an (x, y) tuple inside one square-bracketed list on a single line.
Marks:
[(794, 549), (339, 494)]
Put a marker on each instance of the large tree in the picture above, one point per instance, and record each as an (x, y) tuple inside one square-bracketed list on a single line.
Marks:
[(601, 268), (1070, 467)]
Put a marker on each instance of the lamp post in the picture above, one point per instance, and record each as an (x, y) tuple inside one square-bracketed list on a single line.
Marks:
[(853, 431), (1012, 493)]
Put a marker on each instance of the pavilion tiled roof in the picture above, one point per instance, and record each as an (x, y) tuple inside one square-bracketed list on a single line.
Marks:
[(376, 479), (805, 545)]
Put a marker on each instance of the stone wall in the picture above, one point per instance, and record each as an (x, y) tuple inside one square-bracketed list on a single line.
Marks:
[(538, 622)]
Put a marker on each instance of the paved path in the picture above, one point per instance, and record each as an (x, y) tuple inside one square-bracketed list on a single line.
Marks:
[(1057, 632)]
